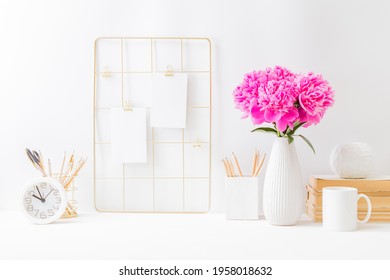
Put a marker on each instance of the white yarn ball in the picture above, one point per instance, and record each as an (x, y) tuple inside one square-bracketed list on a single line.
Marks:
[(352, 160)]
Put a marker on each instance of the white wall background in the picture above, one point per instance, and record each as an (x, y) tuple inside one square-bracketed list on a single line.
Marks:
[(46, 74)]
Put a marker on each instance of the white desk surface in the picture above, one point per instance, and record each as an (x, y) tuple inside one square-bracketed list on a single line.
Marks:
[(182, 236)]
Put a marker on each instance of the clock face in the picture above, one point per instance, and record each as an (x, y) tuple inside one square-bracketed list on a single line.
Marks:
[(44, 200)]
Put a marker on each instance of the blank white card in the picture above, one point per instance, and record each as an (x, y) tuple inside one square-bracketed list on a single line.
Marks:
[(128, 135), (169, 101)]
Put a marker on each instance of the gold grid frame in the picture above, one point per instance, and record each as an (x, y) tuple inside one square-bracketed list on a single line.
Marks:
[(152, 40)]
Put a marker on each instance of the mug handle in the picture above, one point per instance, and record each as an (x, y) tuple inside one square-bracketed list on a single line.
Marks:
[(365, 220)]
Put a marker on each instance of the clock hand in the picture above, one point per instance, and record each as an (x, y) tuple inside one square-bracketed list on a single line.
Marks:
[(48, 194), (41, 199), (39, 192)]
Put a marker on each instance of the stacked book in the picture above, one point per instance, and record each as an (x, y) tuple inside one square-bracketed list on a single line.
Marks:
[(377, 189)]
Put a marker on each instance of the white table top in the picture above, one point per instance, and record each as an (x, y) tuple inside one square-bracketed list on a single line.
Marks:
[(184, 236)]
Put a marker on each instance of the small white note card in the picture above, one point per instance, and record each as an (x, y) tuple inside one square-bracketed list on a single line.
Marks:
[(128, 135), (169, 101)]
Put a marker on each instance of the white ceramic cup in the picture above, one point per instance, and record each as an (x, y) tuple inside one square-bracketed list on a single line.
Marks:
[(340, 207)]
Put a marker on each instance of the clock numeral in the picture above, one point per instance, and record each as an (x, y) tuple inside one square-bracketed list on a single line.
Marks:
[(27, 200), (30, 208), (43, 215), (36, 212), (50, 212), (55, 206), (43, 184), (31, 193), (58, 199), (56, 192)]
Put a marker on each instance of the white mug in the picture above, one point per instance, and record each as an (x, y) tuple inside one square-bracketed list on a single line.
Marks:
[(340, 207)]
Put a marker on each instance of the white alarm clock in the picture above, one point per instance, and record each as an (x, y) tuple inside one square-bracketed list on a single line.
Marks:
[(44, 200)]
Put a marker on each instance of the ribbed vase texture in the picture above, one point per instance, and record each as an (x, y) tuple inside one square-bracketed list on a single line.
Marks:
[(284, 192)]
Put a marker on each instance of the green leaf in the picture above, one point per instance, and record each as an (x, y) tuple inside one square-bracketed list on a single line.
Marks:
[(290, 138), (278, 132), (308, 142), (265, 129), (296, 126)]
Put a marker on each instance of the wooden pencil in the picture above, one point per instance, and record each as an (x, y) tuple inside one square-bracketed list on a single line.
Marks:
[(62, 167), (237, 164), (231, 168), (260, 165), (226, 169), (41, 161), (74, 174), (68, 169), (49, 166), (228, 166), (254, 163)]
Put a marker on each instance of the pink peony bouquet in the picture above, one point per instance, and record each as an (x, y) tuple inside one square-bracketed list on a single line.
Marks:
[(284, 99)]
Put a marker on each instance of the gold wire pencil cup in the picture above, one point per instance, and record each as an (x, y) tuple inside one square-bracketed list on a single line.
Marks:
[(69, 185), (67, 175)]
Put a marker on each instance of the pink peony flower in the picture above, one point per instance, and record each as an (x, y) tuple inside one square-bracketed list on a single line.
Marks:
[(277, 95), (315, 97), (246, 94), (274, 100), (283, 98)]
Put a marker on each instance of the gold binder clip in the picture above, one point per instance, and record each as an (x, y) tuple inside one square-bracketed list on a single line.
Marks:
[(127, 107), (169, 72), (106, 72), (197, 144)]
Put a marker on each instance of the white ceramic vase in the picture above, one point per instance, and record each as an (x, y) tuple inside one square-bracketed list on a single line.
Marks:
[(284, 192)]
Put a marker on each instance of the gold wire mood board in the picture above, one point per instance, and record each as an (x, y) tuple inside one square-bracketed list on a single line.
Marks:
[(176, 177)]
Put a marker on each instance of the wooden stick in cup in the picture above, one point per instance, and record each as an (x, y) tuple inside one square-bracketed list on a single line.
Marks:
[(237, 164), (226, 168), (231, 168), (42, 162), (74, 174), (68, 169), (260, 165), (62, 167), (49, 166), (254, 163)]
